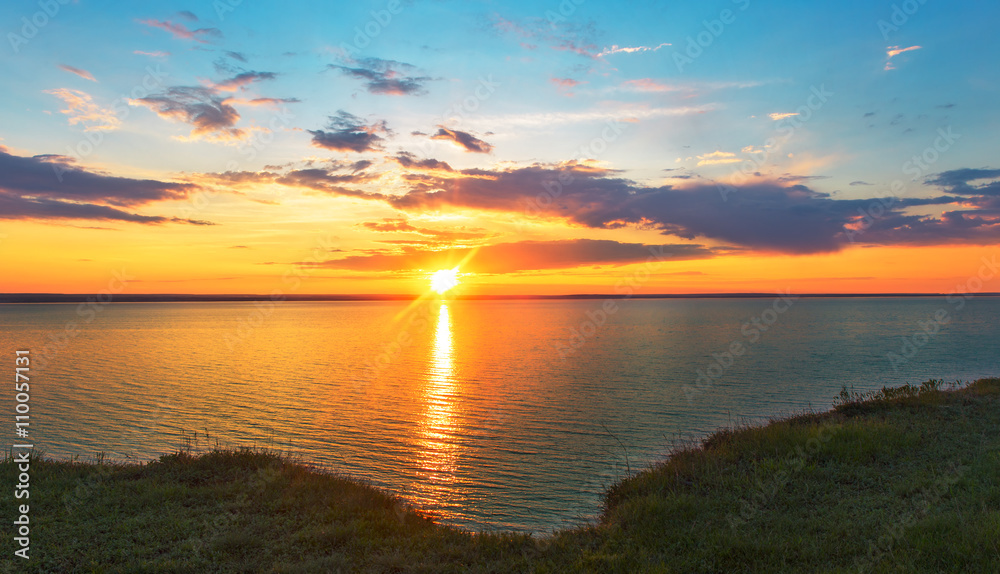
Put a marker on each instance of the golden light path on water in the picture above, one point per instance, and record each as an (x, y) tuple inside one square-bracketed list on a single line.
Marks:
[(438, 430)]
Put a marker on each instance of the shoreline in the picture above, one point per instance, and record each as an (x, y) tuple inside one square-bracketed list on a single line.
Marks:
[(904, 474)]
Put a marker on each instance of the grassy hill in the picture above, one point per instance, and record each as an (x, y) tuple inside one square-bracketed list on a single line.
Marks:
[(902, 480)]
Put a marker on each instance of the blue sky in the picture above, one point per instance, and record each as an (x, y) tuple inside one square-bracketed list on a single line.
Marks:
[(285, 84)]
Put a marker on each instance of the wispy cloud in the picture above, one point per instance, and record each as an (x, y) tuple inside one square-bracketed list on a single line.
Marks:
[(212, 118), (782, 115), (717, 158), (893, 51), (202, 35), (82, 110), (386, 77), (154, 54), (82, 73), (616, 49)]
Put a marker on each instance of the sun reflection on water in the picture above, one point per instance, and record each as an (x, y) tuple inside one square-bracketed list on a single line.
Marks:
[(436, 441)]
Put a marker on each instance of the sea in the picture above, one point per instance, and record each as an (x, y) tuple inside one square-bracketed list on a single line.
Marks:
[(490, 415)]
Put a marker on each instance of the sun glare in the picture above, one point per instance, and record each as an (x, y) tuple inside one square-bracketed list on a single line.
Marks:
[(444, 280)]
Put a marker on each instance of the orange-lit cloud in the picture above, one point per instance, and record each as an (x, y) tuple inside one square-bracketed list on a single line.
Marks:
[(718, 158), (82, 73), (893, 51), (82, 110), (181, 31)]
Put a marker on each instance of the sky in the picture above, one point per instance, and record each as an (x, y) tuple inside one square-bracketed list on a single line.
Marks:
[(539, 147)]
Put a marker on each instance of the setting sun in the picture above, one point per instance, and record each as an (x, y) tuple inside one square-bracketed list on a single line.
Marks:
[(444, 280)]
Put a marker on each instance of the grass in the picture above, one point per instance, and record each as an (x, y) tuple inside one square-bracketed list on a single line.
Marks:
[(899, 480)]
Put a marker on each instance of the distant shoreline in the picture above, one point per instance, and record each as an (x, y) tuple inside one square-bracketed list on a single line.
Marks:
[(190, 298)]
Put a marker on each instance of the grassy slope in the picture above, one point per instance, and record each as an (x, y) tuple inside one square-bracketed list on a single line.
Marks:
[(910, 483)]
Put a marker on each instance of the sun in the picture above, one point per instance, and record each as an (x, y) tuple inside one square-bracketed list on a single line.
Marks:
[(444, 280)]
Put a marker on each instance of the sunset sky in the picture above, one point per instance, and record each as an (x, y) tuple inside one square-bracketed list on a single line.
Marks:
[(543, 148)]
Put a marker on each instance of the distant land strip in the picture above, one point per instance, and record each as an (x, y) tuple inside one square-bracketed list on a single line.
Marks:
[(189, 298)]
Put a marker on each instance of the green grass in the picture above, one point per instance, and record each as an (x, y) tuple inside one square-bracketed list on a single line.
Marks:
[(900, 480)]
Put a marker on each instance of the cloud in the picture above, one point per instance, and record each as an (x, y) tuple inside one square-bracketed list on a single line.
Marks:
[(520, 256), (647, 85), (269, 102), (188, 15), (387, 77), (566, 36), (893, 51), (408, 160), (565, 85), (181, 31), (236, 56), (82, 73), (718, 158), (242, 80), (859, 182), (782, 115), (957, 181), (51, 187), (764, 216), (82, 110), (212, 118), (401, 225), (156, 54), (615, 49), (329, 183), (347, 132), (464, 140)]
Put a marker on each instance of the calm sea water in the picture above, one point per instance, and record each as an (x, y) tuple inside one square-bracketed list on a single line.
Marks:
[(488, 414)]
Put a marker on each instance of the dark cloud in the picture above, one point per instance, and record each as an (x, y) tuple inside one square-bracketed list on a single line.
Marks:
[(243, 79), (521, 256), (859, 182), (200, 107), (50, 187), (408, 160), (385, 76), (326, 182), (237, 56), (766, 216), (466, 140), (347, 132), (55, 177), (957, 181), (188, 15), (17, 207)]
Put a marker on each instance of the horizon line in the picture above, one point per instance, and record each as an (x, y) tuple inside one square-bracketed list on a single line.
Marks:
[(10, 298)]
